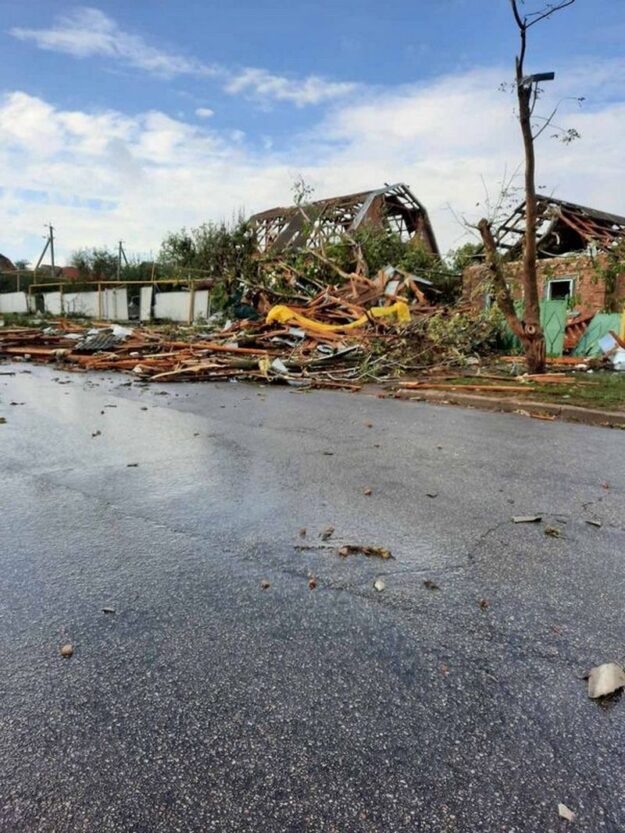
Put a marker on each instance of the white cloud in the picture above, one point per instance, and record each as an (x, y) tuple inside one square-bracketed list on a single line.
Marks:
[(261, 84), (204, 112), (89, 32), (102, 176)]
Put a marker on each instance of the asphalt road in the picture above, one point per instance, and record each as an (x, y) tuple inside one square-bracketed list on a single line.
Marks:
[(205, 703)]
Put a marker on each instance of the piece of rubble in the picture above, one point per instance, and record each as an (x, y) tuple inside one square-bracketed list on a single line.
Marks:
[(67, 650), (553, 532), (312, 583), (265, 585), (361, 549), (108, 610), (379, 584), (431, 585), (593, 522), (368, 492), (605, 679), (526, 519), (565, 813), (327, 533)]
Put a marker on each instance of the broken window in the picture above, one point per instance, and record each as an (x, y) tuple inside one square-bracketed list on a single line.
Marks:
[(560, 290)]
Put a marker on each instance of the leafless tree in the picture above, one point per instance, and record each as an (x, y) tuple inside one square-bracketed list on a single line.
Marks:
[(527, 328)]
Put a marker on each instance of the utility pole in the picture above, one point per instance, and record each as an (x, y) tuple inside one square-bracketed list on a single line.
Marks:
[(121, 254), (49, 245), (51, 227)]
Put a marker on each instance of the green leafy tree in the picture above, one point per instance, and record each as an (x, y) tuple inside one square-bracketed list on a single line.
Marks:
[(222, 251), (95, 263)]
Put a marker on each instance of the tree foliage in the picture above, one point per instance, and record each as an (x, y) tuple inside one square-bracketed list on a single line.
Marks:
[(94, 263), (220, 251)]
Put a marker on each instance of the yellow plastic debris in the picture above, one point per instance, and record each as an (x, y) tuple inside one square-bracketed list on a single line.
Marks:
[(284, 315)]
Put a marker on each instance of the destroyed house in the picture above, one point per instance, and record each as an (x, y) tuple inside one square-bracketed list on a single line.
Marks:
[(563, 228), (312, 225), (572, 242)]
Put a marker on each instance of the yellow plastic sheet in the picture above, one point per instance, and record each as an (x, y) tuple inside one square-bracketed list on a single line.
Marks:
[(284, 315)]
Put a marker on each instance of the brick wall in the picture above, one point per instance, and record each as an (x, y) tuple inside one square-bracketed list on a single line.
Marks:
[(589, 293)]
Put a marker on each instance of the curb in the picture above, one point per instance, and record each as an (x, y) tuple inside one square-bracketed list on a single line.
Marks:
[(567, 413)]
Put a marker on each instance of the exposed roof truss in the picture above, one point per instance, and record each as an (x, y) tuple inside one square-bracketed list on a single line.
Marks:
[(327, 221), (562, 227)]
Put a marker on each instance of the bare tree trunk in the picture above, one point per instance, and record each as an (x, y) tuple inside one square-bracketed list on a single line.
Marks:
[(533, 339)]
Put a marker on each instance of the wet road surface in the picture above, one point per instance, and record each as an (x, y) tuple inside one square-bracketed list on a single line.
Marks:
[(205, 703)]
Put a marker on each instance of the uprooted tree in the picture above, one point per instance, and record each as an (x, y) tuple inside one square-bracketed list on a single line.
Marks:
[(527, 326)]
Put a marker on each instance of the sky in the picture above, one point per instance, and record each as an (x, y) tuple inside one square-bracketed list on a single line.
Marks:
[(125, 121)]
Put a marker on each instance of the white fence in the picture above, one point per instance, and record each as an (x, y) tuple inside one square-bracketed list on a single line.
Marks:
[(181, 306), (13, 302), (112, 303)]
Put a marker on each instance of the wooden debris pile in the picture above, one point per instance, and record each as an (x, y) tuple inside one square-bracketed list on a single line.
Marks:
[(339, 338)]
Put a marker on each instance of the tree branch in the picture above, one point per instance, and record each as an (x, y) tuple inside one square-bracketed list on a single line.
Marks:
[(547, 121), (503, 295), (517, 16), (538, 16)]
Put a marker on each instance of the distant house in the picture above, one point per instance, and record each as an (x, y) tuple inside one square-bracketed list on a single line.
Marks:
[(69, 273), (573, 243), (326, 221), (7, 265)]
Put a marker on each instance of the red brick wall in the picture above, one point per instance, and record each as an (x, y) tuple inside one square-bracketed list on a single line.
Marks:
[(589, 293)]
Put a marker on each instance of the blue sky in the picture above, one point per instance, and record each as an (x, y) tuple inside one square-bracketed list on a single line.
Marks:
[(129, 119)]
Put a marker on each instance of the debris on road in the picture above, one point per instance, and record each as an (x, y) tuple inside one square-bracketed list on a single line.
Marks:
[(312, 583), (67, 650), (593, 522), (430, 585), (565, 813), (526, 519), (367, 492), (379, 584), (265, 585), (327, 533), (359, 549), (605, 679), (553, 532), (484, 604), (108, 610)]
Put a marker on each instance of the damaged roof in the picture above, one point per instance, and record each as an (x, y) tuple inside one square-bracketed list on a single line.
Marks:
[(326, 221), (563, 227), (6, 265)]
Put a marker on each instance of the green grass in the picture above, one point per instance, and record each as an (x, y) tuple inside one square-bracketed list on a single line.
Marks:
[(604, 390), (598, 390)]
